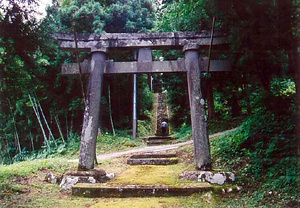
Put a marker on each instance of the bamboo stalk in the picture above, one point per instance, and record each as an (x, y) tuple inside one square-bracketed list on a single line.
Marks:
[(15, 128), (59, 128), (31, 139), (71, 123), (67, 127), (7, 146), (18, 142), (39, 120), (46, 122), (110, 112)]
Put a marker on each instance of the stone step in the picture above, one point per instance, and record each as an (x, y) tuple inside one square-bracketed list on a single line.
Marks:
[(114, 190), (155, 143), (153, 156), (159, 138), (153, 161)]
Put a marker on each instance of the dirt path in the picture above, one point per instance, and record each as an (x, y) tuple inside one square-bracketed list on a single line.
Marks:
[(152, 148)]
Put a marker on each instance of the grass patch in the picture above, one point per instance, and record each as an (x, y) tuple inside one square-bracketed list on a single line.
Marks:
[(26, 168), (214, 126), (108, 143)]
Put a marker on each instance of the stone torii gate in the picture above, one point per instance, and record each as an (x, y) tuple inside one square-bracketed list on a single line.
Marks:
[(97, 65)]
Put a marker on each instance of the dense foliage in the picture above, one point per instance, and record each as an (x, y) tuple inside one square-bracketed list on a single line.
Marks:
[(263, 150), (39, 107)]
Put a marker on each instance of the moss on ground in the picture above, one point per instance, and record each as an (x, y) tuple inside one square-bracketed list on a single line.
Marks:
[(138, 203), (151, 175)]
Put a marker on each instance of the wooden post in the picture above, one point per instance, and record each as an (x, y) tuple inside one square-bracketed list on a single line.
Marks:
[(92, 111), (197, 105)]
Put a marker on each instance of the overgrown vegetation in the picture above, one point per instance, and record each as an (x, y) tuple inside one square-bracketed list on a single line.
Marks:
[(263, 152)]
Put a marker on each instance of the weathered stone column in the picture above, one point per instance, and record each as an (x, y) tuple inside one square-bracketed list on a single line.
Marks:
[(197, 105), (92, 111)]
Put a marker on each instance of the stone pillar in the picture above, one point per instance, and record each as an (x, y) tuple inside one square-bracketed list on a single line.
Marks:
[(197, 105), (92, 111)]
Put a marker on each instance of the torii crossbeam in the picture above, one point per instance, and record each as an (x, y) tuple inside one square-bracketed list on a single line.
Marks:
[(99, 46)]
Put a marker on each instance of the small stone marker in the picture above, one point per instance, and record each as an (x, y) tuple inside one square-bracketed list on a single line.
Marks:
[(51, 178), (92, 176)]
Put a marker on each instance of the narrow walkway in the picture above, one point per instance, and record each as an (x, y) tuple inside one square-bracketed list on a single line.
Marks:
[(152, 148)]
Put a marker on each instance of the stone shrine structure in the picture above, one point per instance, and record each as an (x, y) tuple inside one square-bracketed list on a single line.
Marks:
[(100, 44)]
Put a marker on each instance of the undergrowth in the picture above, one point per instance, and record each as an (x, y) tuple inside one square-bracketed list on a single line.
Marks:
[(10, 174), (106, 143), (263, 154), (215, 125)]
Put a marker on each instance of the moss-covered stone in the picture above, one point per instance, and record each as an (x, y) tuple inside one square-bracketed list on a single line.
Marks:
[(153, 155), (110, 190), (98, 174), (153, 161)]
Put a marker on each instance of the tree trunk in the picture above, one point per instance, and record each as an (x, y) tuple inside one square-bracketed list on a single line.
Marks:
[(210, 99), (67, 127), (236, 109), (286, 11), (197, 105), (297, 82)]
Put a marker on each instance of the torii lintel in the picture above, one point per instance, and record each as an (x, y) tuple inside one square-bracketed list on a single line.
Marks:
[(165, 40)]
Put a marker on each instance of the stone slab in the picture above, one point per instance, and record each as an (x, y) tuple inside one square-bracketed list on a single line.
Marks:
[(160, 138), (112, 67), (105, 190), (152, 161), (153, 156), (158, 142), (88, 42)]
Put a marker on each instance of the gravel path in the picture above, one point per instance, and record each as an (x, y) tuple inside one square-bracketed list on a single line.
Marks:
[(152, 148)]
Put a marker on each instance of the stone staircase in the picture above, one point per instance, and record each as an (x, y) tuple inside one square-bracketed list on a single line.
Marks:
[(153, 159), (139, 179), (162, 114), (159, 140), (114, 189)]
